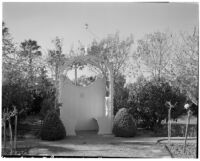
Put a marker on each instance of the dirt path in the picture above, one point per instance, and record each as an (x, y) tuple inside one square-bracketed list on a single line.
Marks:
[(97, 146)]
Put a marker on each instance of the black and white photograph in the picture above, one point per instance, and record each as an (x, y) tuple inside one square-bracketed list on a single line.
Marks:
[(100, 79)]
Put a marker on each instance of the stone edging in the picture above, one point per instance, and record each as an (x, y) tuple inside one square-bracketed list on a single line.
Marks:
[(178, 138)]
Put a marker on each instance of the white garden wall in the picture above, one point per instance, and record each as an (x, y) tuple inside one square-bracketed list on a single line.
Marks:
[(80, 104)]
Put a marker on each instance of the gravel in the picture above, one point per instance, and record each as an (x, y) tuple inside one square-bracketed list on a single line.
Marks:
[(177, 150)]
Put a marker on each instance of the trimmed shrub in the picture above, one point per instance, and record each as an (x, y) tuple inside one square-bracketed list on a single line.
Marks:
[(124, 124), (53, 128)]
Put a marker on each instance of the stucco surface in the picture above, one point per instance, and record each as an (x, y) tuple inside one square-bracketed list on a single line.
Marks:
[(82, 104)]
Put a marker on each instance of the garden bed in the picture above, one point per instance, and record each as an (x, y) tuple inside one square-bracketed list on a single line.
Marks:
[(177, 150)]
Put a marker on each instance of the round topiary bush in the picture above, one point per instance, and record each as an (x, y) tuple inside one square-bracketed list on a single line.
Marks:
[(52, 128), (124, 124)]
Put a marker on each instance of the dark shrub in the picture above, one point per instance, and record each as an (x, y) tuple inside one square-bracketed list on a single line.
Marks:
[(147, 100), (124, 124), (53, 128)]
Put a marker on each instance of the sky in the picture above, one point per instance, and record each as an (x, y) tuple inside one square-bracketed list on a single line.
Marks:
[(44, 21)]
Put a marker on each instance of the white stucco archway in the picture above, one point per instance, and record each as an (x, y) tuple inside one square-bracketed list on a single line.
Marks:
[(86, 102)]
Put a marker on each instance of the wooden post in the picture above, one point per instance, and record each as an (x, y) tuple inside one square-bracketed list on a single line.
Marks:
[(169, 125), (170, 106), (15, 136), (4, 132), (186, 130)]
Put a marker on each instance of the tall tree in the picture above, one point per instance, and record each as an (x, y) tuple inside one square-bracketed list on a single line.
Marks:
[(14, 89), (155, 52), (55, 60), (184, 70), (8, 45), (30, 50), (114, 50), (8, 52)]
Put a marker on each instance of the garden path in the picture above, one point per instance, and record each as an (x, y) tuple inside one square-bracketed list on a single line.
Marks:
[(98, 146)]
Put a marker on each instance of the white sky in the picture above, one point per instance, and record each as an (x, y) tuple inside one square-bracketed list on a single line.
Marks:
[(44, 21)]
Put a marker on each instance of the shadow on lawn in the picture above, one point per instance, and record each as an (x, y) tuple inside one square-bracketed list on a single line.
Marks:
[(48, 150)]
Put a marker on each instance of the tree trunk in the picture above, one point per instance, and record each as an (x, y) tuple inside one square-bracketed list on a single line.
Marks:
[(11, 135), (15, 136), (186, 130)]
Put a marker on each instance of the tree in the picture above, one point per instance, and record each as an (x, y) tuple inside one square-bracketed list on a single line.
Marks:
[(10, 62), (155, 52), (8, 46), (30, 50), (14, 89), (116, 52), (55, 60), (184, 72)]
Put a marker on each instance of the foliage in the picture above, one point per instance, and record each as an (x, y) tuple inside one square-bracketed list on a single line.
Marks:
[(121, 94), (124, 125), (43, 90), (184, 71), (17, 88), (14, 86), (53, 128), (15, 94), (114, 50), (30, 51), (147, 101), (55, 59), (46, 105), (85, 81)]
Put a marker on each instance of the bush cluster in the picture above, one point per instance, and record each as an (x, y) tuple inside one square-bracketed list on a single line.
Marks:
[(53, 128), (124, 124), (147, 100)]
